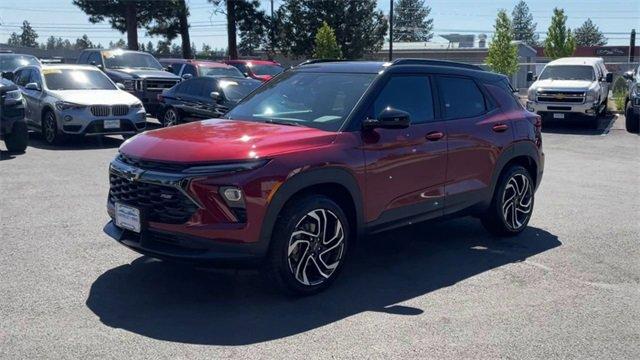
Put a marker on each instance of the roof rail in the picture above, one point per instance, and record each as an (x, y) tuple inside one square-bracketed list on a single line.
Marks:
[(436, 63), (316, 61)]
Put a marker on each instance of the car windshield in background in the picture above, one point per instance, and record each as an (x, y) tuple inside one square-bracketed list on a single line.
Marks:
[(568, 72), (12, 62), (318, 100), (220, 71), (75, 79), (272, 70), (237, 90), (118, 59)]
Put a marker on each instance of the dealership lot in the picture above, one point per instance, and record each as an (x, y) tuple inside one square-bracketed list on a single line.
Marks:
[(567, 287)]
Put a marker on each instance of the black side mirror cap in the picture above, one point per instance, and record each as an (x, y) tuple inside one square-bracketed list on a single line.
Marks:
[(389, 118), (169, 68), (609, 77), (7, 75), (531, 76)]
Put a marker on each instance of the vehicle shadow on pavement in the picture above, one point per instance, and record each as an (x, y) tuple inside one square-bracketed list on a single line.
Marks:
[(577, 126), (76, 143), (181, 304)]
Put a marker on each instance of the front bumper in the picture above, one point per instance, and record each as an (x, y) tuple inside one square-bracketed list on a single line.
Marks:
[(586, 109), (187, 249), (9, 115), (82, 122)]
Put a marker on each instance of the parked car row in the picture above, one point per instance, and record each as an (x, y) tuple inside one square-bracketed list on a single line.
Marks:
[(632, 101)]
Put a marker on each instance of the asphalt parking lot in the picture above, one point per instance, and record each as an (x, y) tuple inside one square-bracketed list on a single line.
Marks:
[(568, 287)]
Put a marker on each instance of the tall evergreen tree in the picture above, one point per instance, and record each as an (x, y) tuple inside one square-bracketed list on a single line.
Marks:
[(358, 26), (150, 49), (522, 25), (588, 34), (83, 43), (411, 21), (326, 45), (503, 54), (560, 41), (169, 20), (14, 39), (246, 16), (27, 37)]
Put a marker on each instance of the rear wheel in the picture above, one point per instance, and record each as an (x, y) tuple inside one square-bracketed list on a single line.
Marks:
[(18, 139), (632, 121), (512, 203), (308, 246), (52, 135), (170, 117)]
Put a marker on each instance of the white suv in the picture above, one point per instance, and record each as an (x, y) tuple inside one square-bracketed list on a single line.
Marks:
[(571, 86)]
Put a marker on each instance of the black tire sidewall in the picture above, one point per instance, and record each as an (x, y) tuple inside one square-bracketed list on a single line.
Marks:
[(632, 122), (18, 139), (495, 221), (57, 138), (285, 225)]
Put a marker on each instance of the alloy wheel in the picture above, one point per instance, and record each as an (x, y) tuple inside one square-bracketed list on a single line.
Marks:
[(170, 118), (50, 128), (316, 247), (517, 201)]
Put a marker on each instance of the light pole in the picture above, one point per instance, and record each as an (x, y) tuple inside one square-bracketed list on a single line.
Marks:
[(391, 30)]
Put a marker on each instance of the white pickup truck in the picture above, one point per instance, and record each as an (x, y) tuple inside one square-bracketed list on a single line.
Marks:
[(570, 86)]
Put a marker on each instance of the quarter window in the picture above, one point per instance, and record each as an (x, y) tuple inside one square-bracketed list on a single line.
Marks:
[(407, 93), (460, 98)]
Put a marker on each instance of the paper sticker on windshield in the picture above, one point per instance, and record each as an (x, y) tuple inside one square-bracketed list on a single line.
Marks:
[(51, 71), (112, 53)]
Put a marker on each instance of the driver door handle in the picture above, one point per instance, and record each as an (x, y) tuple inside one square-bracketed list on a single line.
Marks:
[(500, 127), (434, 135)]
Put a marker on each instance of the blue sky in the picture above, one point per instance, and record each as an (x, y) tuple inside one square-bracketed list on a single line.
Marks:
[(61, 18)]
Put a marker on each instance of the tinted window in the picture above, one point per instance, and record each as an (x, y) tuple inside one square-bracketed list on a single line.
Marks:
[(272, 70), (118, 59), (460, 98), (189, 69), (95, 57), (318, 100), (175, 68), (236, 90), (407, 93), (76, 79), (22, 77), (221, 71), (194, 87), (242, 67), (35, 77), (12, 62)]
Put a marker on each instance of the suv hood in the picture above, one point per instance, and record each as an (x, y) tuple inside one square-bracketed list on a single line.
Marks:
[(141, 74), (562, 85), (222, 140), (95, 97)]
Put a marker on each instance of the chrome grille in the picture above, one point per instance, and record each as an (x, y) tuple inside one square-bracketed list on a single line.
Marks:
[(100, 110), (159, 84), (120, 110), (561, 97)]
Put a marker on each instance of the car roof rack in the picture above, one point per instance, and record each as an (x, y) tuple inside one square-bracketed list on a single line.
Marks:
[(410, 61)]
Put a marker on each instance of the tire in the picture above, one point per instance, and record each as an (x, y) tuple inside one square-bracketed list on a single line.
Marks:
[(514, 187), (18, 139), (632, 121), (603, 112), (52, 135), (170, 117), (301, 260)]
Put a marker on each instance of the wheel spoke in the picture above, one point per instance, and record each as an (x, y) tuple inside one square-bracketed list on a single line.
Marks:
[(326, 272)]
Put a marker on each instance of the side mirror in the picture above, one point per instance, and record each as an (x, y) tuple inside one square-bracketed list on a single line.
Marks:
[(7, 75), (609, 77), (628, 75), (33, 86), (216, 96), (246, 74), (531, 76), (389, 118), (120, 86), (169, 68), (186, 76)]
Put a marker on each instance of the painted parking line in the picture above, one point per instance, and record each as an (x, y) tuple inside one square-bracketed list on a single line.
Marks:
[(610, 125)]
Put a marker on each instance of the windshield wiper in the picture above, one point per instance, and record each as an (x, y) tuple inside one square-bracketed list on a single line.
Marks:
[(281, 122)]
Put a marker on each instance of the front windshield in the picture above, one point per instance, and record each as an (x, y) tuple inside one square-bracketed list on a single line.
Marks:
[(568, 72), (12, 62), (271, 70), (318, 100), (118, 59), (220, 71), (76, 79), (237, 90)]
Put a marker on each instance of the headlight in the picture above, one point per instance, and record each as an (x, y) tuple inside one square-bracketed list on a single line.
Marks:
[(591, 96), (14, 95), (65, 105), (137, 105), (226, 168), (531, 94)]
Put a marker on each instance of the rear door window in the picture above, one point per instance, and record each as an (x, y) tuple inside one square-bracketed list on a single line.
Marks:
[(189, 69), (460, 97), (410, 93)]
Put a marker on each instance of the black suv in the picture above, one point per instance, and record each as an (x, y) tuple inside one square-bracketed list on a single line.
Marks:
[(13, 127), (138, 72), (632, 101)]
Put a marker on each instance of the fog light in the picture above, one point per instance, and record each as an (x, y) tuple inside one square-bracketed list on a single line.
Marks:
[(68, 118), (232, 194)]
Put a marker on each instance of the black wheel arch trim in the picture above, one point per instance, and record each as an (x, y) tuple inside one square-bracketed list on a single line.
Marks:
[(519, 149), (302, 181)]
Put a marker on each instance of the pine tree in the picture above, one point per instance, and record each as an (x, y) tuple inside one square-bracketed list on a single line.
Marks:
[(150, 48), (83, 43), (523, 27), (559, 42), (326, 45), (28, 37), (503, 54), (588, 34), (14, 39), (411, 21)]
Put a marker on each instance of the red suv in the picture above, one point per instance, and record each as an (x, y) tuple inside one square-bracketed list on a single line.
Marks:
[(262, 70), (321, 155)]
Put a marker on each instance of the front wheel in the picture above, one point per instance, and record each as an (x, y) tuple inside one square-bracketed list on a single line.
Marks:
[(512, 203), (52, 135), (170, 117), (632, 121), (308, 246), (17, 140)]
